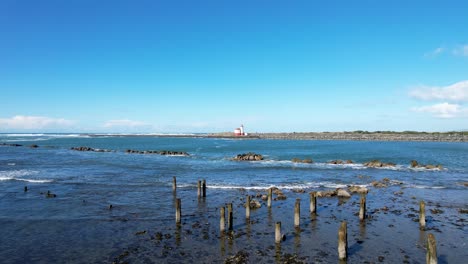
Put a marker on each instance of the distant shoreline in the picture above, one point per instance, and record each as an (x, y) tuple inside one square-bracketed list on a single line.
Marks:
[(358, 136)]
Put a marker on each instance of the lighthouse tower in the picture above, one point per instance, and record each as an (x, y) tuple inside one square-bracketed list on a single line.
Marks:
[(242, 130)]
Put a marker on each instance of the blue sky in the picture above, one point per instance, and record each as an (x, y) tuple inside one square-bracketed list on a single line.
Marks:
[(209, 66)]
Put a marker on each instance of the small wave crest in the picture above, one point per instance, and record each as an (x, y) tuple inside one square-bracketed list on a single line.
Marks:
[(285, 186), (18, 175)]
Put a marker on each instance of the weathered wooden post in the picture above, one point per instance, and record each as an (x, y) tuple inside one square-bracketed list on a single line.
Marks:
[(199, 189), (270, 193), (362, 209), (278, 232), (204, 187), (25, 188), (174, 184), (178, 211), (222, 219), (229, 216), (422, 215), (343, 241), (431, 253), (297, 213), (313, 202), (247, 207)]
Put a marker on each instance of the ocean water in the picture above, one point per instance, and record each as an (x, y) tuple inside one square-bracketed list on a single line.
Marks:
[(77, 226)]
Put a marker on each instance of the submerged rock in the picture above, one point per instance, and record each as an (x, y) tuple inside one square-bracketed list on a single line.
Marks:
[(240, 257), (308, 161)]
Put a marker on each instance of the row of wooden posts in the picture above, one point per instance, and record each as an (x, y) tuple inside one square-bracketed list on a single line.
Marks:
[(431, 253)]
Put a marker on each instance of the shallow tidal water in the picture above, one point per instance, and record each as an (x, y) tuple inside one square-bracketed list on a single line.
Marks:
[(77, 225)]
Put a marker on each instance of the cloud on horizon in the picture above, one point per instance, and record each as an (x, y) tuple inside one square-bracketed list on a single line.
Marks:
[(442, 110), (20, 122), (126, 125), (457, 92)]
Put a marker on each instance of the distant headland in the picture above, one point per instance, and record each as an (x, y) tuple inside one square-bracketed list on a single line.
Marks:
[(453, 136)]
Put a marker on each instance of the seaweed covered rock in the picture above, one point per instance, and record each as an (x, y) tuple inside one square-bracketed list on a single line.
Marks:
[(308, 161), (378, 164), (248, 157), (416, 164)]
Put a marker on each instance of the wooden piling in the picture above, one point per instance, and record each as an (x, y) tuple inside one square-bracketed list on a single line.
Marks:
[(174, 184), (222, 219), (270, 193), (297, 212), (204, 187), (199, 189), (178, 211), (247, 207), (230, 214), (25, 188), (313, 202), (278, 232), (422, 215), (362, 209), (431, 253), (343, 241)]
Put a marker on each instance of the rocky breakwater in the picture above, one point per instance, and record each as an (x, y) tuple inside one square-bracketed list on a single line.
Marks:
[(415, 164), (379, 164), (90, 149), (248, 157), (158, 152)]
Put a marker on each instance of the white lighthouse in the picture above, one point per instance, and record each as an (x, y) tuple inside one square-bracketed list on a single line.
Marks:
[(240, 131)]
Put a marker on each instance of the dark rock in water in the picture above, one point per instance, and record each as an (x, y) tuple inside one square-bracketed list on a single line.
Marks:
[(248, 157), (82, 149), (414, 164), (25, 188), (140, 233), (336, 162), (240, 258), (159, 152), (463, 211), (34, 146), (50, 195)]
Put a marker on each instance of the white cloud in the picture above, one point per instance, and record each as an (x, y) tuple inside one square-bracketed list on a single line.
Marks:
[(20, 122), (434, 53), (457, 92), (124, 123), (461, 50), (442, 110)]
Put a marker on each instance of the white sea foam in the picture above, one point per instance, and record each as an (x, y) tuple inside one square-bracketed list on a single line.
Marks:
[(19, 175), (11, 164)]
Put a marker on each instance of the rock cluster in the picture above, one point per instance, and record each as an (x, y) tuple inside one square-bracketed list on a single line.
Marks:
[(358, 189), (378, 164), (90, 149), (248, 157), (279, 194), (339, 162), (159, 152), (11, 145), (296, 160), (415, 164)]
